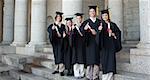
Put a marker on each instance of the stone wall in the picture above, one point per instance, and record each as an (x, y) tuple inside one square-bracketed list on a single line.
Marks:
[(1, 19), (131, 20)]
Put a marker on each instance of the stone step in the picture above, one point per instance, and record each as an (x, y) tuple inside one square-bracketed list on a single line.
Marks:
[(5, 68), (123, 75), (7, 49), (46, 55), (31, 77), (47, 73), (16, 60), (21, 75), (7, 78)]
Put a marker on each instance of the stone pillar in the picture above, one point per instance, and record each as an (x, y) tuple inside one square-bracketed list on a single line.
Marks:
[(20, 25), (144, 24), (8, 21), (38, 22), (140, 56), (116, 13), (70, 7)]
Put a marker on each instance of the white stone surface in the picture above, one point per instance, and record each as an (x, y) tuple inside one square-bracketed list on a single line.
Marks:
[(70, 7), (8, 21), (144, 24), (20, 25), (116, 13), (38, 23)]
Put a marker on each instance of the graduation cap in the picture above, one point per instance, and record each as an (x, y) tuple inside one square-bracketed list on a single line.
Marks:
[(93, 7), (79, 14), (70, 18), (59, 13), (105, 11)]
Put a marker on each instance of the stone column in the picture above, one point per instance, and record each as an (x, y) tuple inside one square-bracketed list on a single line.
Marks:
[(144, 24), (38, 22), (8, 21), (20, 25), (140, 56), (116, 13), (70, 7)]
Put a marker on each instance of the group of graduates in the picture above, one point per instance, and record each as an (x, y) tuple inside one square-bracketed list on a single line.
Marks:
[(85, 44)]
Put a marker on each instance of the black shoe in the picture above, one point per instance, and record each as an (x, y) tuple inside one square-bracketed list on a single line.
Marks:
[(69, 74), (55, 72), (97, 78), (87, 79), (62, 74)]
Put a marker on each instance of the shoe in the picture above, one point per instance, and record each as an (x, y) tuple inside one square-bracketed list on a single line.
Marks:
[(96, 79), (69, 74), (62, 74), (55, 72)]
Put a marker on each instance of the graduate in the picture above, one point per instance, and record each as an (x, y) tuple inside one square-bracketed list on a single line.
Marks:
[(91, 31), (78, 47), (56, 31), (67, 47), (111, 44)]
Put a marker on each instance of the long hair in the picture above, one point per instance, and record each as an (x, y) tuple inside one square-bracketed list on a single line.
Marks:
[(57, 16)]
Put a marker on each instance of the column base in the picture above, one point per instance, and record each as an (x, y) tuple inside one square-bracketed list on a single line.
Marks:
[(18, 43), (143, 45), (30, 44), (139, 60), (6, 42)]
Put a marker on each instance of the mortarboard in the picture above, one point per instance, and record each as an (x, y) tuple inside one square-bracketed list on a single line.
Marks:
[(59, 13), (70, 18), (79, 14)]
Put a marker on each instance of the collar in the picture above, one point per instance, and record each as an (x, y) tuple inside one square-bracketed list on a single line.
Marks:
[(93, 19)]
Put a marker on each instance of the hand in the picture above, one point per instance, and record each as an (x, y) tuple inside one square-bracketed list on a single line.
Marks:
[(113, 34), (73, 27), (64, 35), (93, 31), (86, 27), (110, 31), (100, 28), (53, 27), (59, 35)]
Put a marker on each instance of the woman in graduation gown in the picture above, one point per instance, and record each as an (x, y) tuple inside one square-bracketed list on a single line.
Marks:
[(67, 47), (56, 31), (78, 48), (111, 44), (90, 27)]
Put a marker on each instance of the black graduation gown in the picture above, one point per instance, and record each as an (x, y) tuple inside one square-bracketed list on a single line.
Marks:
[(92, 42), (78, 47), (57, 42), (110, 46), (67, 50)]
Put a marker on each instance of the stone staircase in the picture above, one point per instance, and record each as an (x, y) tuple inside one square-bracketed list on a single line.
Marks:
[(40, 63)]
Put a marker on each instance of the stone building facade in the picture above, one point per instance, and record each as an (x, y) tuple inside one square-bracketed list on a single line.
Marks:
[(24, 40)]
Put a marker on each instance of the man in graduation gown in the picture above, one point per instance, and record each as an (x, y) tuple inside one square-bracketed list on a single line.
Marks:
[(67, 46), (78, 48), (91, 32), (56, 31), (111, 44)]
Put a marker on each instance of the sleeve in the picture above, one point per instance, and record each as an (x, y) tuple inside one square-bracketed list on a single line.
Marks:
[(85, 33), (117, 41), (51, 34)]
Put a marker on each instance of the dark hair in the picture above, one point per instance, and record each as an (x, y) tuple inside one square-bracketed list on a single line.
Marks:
[(108, 16), (57, 16)]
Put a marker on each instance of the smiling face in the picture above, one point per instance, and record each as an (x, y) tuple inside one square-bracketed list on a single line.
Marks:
[(105, 17), (92, 12), (69, 23), (79, 19), (58, 18)]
